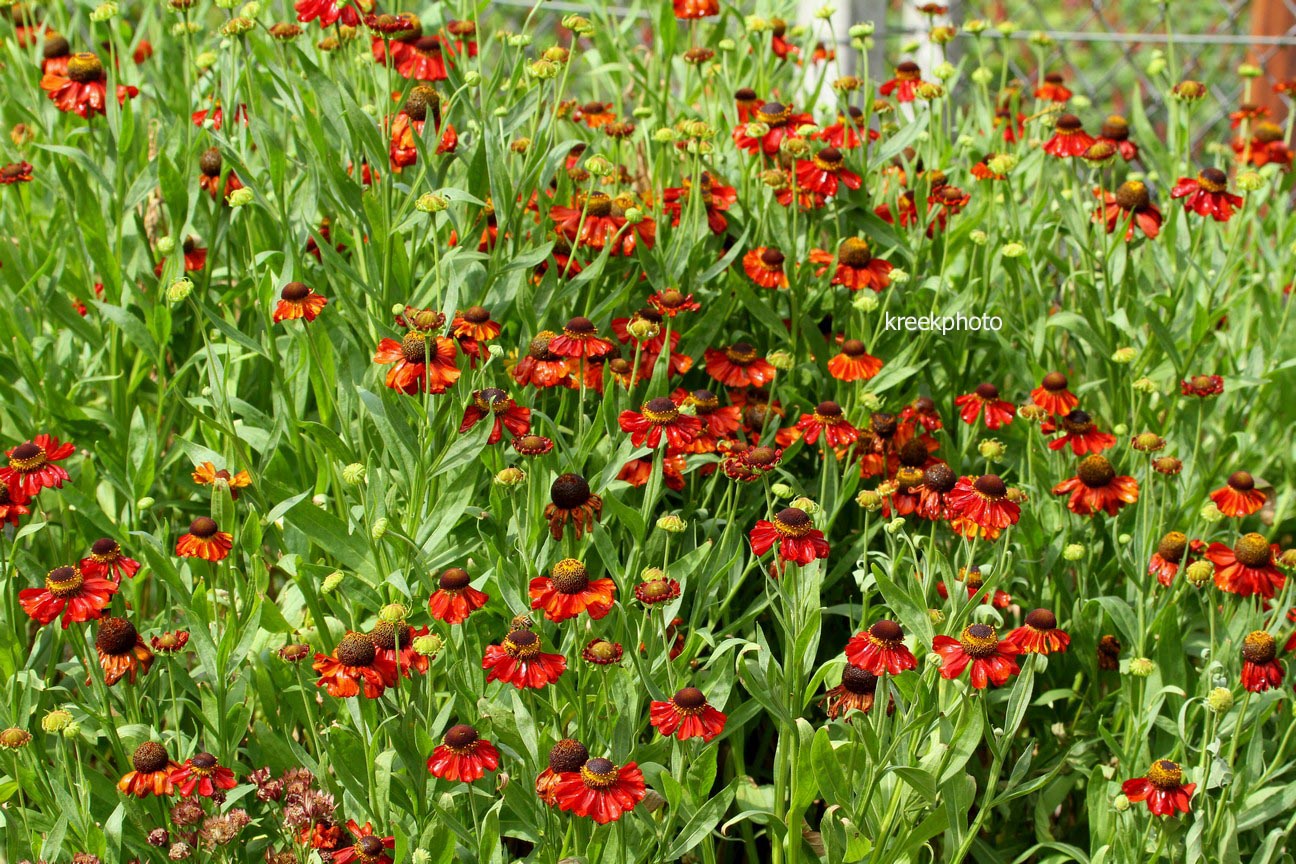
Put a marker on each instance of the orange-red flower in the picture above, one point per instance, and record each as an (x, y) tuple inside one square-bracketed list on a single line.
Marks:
[(82, 86), (298, 300), (1202, 386), (1131, 207), (823, 174), (856, 692), (579, 338), (715, 197), (600, 790), (738, 366), (68, 591), (1163, 789), (568, 591), (781, 122), (171, 642), (1053, 396), (829, 421), (848, 132), (1097, 488), (1069, 138), (15, 172), (880, 649), (1169, 555), (1238, 497), (1052, 88), (328, 12), (1261, 669), (408, 126), (658, 416), (1207, 194), (797, 538), (121, 650), (908, 77), (471, 327), (592, 222), (565, 757), (31, 467), (541, 367), (690, 9), (205, 540), (107, 560), (853, 363), (394, 641), (998, 412), (207, 474), (764, 265), (572, 503), (1247, 569), (1081, 434), (992, 661), (368, 848), (355, 667), (984, 502), (503, 411), (1115, 131), (150, 772), (1039, 634), (202, 774), (519, 661), (856, 268), (687, 715), (463, 756), (423, 362), (455, 598)]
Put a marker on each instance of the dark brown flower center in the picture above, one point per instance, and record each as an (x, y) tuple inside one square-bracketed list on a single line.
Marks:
[(1068, 124), (745, 94), (1213, 180), (1133, 195), (987, 392), (1253, 551), (660, 411), (908, 71), (774, 113), (492, 399), (1165, 775), (1241, 481), (829, 159), (980, 640), (1077, 422), (990, 486), (453, 579), (599, 773), (1096, 472), (522, 643), (1172, 546), (772, 259), (792, 522), (597, 204), (1041, 619), (689, 699), (828, 411), (84, 68), (913, 453), (210, 162), (204, 528), (203, 761), (105, 548), (569, 491), (27, 457), (476, 315), (392, 636), (887, 632), (1055, 382), (567, 755), (149, 757), (940, 479), (1116, 128), (116, 636), (883, 424), (460, 737), (741, 353), (356, 649), (414, 347), (858, 681), (569, 576), (369, 847), (761, 456), (63, 581), (56, 45), (854, 252), (295, 292)]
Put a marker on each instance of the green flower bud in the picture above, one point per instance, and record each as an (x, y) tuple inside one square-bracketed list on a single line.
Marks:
[(393, 613), (332, 581), (428, 646), (1073, 552), (354, 474), (379, 528), (241, 197), (56, 720), (1141, 667), (431, 202), (179, 290), (671, 524), (1219, 700)]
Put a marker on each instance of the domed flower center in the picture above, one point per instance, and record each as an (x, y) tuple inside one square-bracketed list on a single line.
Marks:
[(1165, 774), (567, 755), (913, 453), (55, 46), (1068, 124), (941, 480), (908, 71), (745, 94), (580, 326), (657, 589), (569, 491), (295, 292), (792, 522), (1259, 647), (1096, 472), (907, 477), (202, 764), (204, 528), (569, 576), (886, 634), (149, 757), (492, 399), (453, 579), (603, 651), (741, 353), (1241, 481), (1253, 551), (63, 581), (883, 424), (828, 413), (772, 259), (428, 44), (27, 457), (854, 252), (990, 486), (987, 392), (660, 411), (1077, 422), (971, 576), (761, 457), (671, 299), (539, 347), (774, 113), (105, 549), (1041, 619), (460, 738), (829, 159), (414, 347), (598, 204), (1055, 382), (522, 643), (854, 348), (858, 681), (703, 401), (1172, 546), (369, 848), (392, 635), (689, 700), (356, 649), (116, 636), (1213, 180), (210, 162), (979, 640), (599, 773), (1132, 195), (84, 68), (1116, 128), (531, 444), (476, 315)]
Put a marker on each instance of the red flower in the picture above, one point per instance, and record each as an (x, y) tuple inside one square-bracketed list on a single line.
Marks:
[(738, 366), (1207, 195), (1248, 568), (672, 302), (764, 265), (409, 125), (121, 650), (455, 599), (1130, 206), (600, 790), (1261, 670), (565, 757), (781, 122), (1053, 396), (394, 641), (107, 559), (568, 591), (686, 715), (1163, 789), (416, 369), (593, 223), (419, 58), (1052, 89), (824, 173), (462, 756), (1081, 434), (922, 410), (31, 467), (1069, 138), (716, 198), (205, 540), (202, 774), (1202, 386), (984, 502), (68, 591), (798, 540), (908, 77), (82, 88), (541, 367), (520, 662), (601, 652), (655, 417), (655, 591), (1238, 497), (1096, 487), (992, 661), (15, 172), (854, 363), (580, 338), (368, 847), (856, 268), (297, 300), (354, 662), (847, 132), (329, 11), (1169, 555), (150, 773), (505, 413), (998, 412), (880, 649), (1115, 131), (829, 421), (207, 474), (688, 9), (171, 642), (1039, 635)]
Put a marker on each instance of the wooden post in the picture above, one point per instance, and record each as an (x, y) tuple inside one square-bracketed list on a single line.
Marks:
[(1272, 18)]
